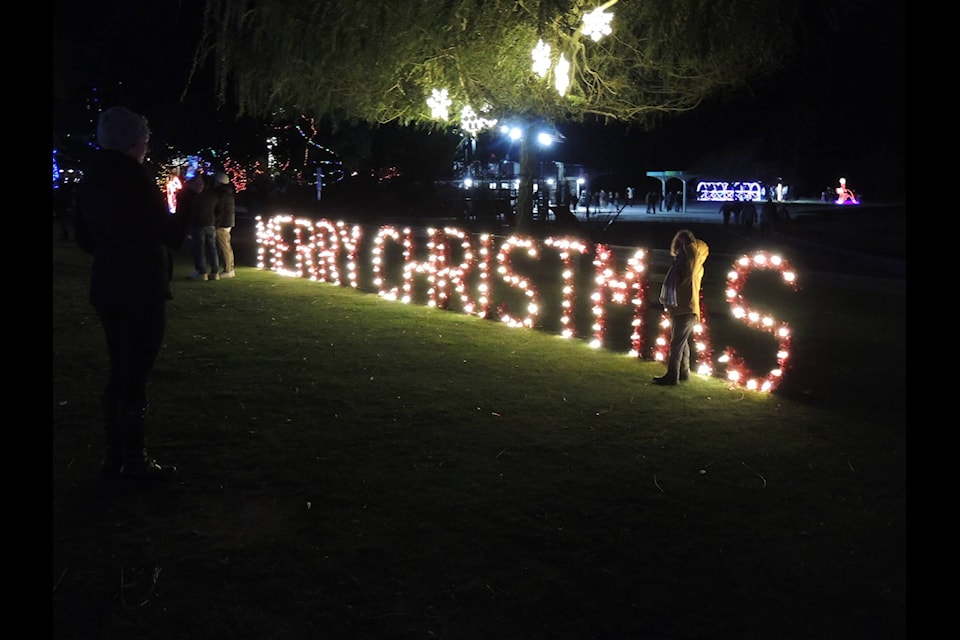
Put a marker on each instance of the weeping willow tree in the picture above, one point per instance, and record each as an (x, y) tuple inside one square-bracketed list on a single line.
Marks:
[(381, 61)]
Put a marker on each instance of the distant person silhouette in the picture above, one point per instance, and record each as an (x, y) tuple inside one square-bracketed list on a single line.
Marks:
[(783, 219), (726, 209), (737, 211), (653, 200), (768, 217), (748, 215)]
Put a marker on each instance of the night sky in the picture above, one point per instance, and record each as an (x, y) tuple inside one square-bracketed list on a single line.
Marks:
[(837, 109)]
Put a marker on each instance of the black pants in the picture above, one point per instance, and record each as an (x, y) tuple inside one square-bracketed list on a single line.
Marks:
[(133, 343)]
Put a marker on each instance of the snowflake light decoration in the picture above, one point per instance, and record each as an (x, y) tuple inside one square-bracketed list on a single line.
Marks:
[(541, 58), (439, 103), (596, 24), (472, 122)]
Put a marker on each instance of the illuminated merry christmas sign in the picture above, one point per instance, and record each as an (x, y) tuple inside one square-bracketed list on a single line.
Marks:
[(460, 271)]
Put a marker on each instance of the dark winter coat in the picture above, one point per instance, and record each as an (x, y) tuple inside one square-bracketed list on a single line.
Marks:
[(122, 220), (204, 211), (186, 203), (226, 210)]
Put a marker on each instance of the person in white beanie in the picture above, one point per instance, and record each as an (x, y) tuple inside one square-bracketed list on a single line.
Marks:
[(123, 221)]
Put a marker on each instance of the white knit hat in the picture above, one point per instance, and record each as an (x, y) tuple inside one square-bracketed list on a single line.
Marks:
[(119, 129), (222, 178)]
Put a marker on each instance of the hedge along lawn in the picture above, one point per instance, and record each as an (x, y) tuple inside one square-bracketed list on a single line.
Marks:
[(358, 467)]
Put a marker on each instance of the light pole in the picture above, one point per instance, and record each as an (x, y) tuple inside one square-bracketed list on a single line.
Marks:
[(529, 167)]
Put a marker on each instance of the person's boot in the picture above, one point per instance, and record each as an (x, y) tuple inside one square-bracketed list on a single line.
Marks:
[(669, 378), (138, 466), (112, 453)]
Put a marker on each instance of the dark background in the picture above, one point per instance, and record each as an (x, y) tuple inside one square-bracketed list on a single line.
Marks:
[(837, 109)]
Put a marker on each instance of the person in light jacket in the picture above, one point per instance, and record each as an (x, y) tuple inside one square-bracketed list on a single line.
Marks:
[(681, 298)]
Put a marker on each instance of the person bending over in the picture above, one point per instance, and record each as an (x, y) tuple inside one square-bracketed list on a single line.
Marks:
[(680, 296)]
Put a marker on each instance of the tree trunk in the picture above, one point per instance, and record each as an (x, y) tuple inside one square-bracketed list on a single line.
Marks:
[(528, 162)]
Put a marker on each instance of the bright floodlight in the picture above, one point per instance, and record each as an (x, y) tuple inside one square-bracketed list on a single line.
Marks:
[(545, 138)]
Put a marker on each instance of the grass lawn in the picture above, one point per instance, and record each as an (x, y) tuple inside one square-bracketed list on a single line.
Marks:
[(353, 467)]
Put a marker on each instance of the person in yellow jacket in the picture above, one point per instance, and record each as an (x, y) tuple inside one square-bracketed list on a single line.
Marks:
[(680, 296)]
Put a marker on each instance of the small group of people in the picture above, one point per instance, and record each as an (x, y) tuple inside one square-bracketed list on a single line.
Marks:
[(599, 200), (672, 201), (210, 212), (772, 217)]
